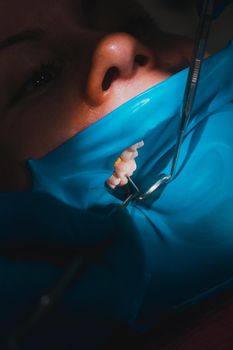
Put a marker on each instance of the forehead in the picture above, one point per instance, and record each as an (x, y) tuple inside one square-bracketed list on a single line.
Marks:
[(19, 15), (102, 14)]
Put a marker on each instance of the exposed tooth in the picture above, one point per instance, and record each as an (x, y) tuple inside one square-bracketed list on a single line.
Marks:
[(123, 169), (123, 181), (124, 166), (128, 155), (120, 174), (137, 146), (111, 186), (131, 167), (113, 181)]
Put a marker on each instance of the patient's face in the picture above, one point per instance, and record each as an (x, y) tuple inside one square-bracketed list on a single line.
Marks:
[(61, 70)]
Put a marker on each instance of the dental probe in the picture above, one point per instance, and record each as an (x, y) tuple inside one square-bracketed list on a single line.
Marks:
[(188, 101), (211, 9), (193, 77)]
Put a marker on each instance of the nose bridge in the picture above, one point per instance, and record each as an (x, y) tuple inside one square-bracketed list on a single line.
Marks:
[(114, 58)]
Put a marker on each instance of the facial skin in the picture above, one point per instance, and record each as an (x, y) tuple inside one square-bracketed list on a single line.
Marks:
[(75, 68)]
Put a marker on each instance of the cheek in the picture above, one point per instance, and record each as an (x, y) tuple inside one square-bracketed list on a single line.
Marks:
[(38, 128), (35, 129)]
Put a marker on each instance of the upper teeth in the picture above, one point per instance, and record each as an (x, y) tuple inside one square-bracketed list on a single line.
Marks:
[(124, 166)]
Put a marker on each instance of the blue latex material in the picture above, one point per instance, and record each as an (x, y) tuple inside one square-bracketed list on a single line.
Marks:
[(157, 256), (219, 6)]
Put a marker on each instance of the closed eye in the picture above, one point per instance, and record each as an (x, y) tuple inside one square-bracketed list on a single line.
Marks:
[(39, 80)]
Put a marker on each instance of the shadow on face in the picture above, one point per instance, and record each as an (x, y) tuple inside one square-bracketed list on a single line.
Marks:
[(65, 64)]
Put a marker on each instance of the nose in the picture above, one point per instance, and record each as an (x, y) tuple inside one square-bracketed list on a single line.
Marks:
[(118, 57)]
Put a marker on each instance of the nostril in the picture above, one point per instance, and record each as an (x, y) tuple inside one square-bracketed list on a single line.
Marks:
[(141, 60), (113, 72), (111, 75)]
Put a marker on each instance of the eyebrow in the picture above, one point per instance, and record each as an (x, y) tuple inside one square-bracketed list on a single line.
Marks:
[(22, 37)]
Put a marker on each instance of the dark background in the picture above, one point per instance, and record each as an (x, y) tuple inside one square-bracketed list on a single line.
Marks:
[(180, 16)]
